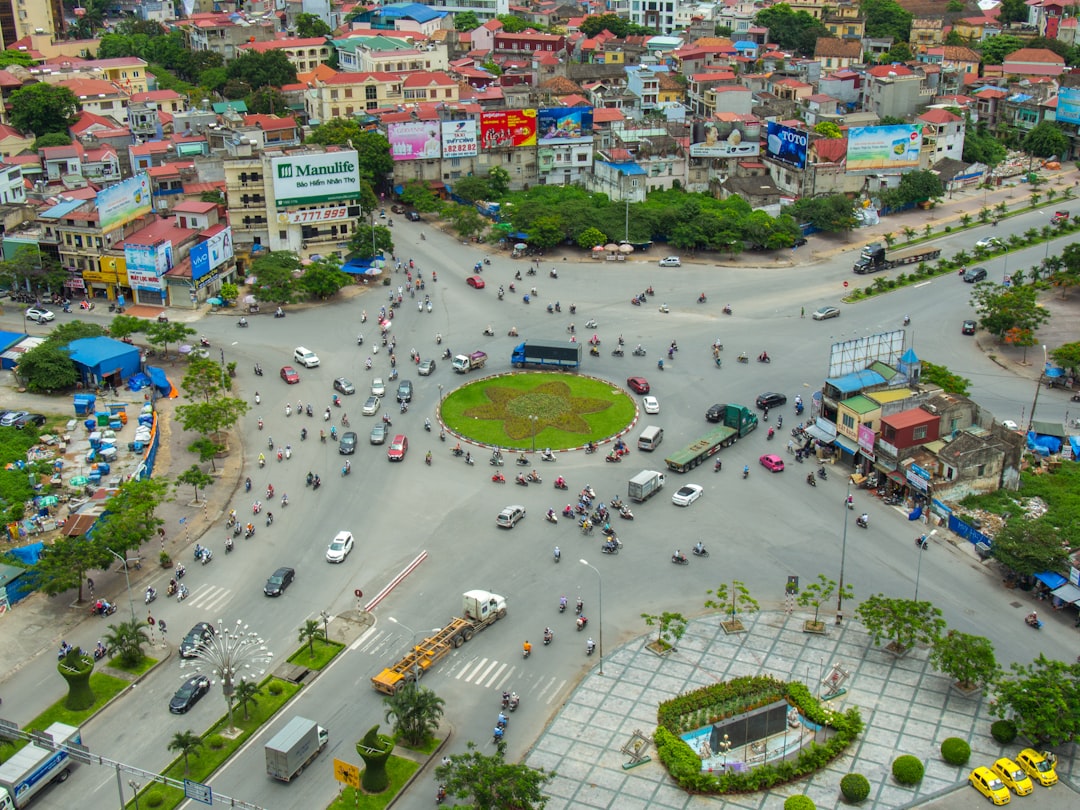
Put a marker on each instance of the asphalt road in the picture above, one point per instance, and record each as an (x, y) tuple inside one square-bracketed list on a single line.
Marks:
[(759, 530)]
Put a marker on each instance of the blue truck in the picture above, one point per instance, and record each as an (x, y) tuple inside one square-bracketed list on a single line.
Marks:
[(546, 353), (33, 767)]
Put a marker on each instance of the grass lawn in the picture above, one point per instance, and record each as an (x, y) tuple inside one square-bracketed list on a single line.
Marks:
[(141, 667), (570, 409), (325, 651), (399, 770)]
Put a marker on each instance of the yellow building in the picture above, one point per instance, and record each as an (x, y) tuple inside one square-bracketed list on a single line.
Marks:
[(348, 94)]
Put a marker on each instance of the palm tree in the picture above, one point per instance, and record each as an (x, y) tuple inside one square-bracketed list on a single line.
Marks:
[(1002, 208), (984, 215), (890, 239), (126, 640), (246, 693), (965, 220), (309, 632), (909, 232), (927, 229), (1035, 197), (185, 743), (415, 711)]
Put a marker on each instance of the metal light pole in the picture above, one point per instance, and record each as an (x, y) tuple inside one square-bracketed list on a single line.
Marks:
[(127, 579), (843, 558), (918, 570), (135, 786), (1005, 267), (533, 420), (599, 610), (1038, 385), (416, 659), (326, 625), (228, 654)]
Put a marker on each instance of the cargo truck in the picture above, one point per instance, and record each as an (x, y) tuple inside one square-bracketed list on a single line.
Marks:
[(480, 609), (644, 485), (875, 257), (738, 421), (551, 353), (33, 767), (464, 363), (292, 748)]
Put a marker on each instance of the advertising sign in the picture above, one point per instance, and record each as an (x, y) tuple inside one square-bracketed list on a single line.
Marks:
[(212, 253), (304, 179), (146, 264), (508, 128), (884, 149), (724, 139), (1068, 108), (120, 204), (459, 139), (414, 140), (786, 145), (314, 215), (563, 124)]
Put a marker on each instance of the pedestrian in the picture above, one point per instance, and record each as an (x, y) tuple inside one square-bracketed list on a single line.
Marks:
[(446, 760), (791, 446), (802, 312), (90, 586)]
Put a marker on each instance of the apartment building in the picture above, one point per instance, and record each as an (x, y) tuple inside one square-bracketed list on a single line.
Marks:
[(222, 33), (346, 94), (304, 53)]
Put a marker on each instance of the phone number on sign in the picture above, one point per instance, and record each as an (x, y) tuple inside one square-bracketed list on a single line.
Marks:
[(318, 215)]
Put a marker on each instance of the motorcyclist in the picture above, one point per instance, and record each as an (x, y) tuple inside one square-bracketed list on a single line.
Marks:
[(558, 553), (1033, 619), (745, 470), (560, 481), (562, 603), (764, 357), (864, 519), (526, 648), (548, 635), (678, 555), (550, 515), (700, 547), (590, 645)]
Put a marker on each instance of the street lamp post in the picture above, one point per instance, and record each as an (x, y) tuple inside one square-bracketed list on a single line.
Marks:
[(416, 658), (533, 420), (599, 611), (843, 558), (135, 786), (127, 579), (724, 746), (228, 653), (1005, 267), (918, 569), (326, 625), (1038, 385)]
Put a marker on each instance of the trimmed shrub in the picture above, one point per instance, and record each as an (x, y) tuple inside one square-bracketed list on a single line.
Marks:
[(908, 770), (956, 751), (153, 798), (274, 688), (215, 742), (799, 803), (855, 787), (1004, 731)]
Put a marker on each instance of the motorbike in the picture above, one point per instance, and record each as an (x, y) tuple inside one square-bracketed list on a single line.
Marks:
[(824, 476), (591, 324), (520, 480), (150, 596), (680, 559), (547, 455), (811, 480), (664, 308), (770, 434), (764, 358), (635, 301), (594, 352), (180, 571), (862, 522), (578, 607), (1033, 621), (746, 472), (242, 323), (611, 547), (660, 364), (316, 483), (100, 652), (727, 309), (616, 352), (922, 542), (228, 545), (249, 532), (171, 590), (258, 370), (590, 645), (701, 299), (613, 457), (1075, 398), (550, 517), (581, 623), (279, 313), (533, 478), (700, 552), (204, 342), (182, 593), (638, 352), (548, 636), (561, 485), (625, 513)]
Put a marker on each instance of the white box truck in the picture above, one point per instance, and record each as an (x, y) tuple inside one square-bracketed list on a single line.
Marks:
[(292, 748), (32, 768)]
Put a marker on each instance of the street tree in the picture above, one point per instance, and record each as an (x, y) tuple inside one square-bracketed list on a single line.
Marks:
[(828, 129), (203, 379), (465, 219), (834, 213), (499, 180), (1045, 140), (792, 30), (125, 641), (262, 69), (63, 564), (472, 188), (311, 632), (361, 244), (47, 368), (466, 21), (130, 517), (194, 478), (670, 627), (995, 49), (816, 594), (886, 18), (1068, 274), (968, 660), (1003, 308), (1067, 356), (123, 326), (336, 132), (415, 711), (212, 418), (902, 622), (1030, 546), (276, 276), (492, 783), (590, 238), (162, 334), (732, 601), (266, 101), (207, 450), (228, 291), (417, 194), (311, 25), (914, 187), (186, 743), (31, 269), (1024, 338), (42, 108), (324, 278), (245, 695), (1042, 699), (547, 232)]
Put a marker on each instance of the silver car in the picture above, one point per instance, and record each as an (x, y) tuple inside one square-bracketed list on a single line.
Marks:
[(371, 406)]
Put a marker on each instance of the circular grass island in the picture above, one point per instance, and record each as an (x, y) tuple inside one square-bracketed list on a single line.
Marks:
[(559, 411)]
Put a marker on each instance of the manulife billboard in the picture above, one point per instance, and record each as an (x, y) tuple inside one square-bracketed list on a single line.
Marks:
[(305, 179)]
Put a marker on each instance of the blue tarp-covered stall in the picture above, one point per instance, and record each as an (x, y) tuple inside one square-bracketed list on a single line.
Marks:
[(363, 267), (1045, 438), (9, 340), (160, 381), (102, 359)]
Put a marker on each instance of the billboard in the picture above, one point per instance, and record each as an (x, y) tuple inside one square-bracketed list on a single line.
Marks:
[(563, 124), (512, 128), (884, 149), (120, 204), (786, 145), (1068, 108), (303, 179), (459, 139), (211, 254), (146, 264), (725, 139), (414, 140)]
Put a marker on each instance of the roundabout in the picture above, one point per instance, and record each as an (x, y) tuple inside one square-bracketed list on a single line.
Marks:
[(526, 410)]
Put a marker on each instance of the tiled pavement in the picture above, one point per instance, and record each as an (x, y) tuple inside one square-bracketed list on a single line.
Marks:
[(907, 707)]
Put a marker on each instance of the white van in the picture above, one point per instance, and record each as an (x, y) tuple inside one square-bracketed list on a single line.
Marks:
[(650, 438), (305, 357)]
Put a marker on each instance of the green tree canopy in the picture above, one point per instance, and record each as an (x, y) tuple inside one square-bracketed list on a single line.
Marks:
[(1067, 356), (1030, 546), (311, 25), (9, 57), (915, 187), (492, 783), (63, 565), (902, 622), (968, 660), (828, 129), (415, 711), (269, 69), (466, 21), (363, 246), (1012, 11), (417, 194), (948, 381), (995, 49), (886, 18), (43, 109), (472, 187), (1002, 309), (52, 139), (275, 276), (324, 278), (1046, 140), (267, 101), (980, 145), (792, 30), (1043, 699), (834, 213)]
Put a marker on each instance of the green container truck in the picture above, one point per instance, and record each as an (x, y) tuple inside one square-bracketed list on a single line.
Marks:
[(737, 421)]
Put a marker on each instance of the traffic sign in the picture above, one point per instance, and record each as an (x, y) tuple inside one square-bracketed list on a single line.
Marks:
[(358, 593), (347, 772), (198, 792)]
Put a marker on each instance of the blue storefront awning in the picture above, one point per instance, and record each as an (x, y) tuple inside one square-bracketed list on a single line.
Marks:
[(1051, 580), (847, 445)]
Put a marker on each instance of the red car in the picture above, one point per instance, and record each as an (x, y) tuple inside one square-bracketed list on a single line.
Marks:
[(398, 448), (289, 375), (772, 462), (638, 385), (475, 281)]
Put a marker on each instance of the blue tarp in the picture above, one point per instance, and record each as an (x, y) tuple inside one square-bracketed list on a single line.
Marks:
[(27, 554), (160, 380), (1043, 445), (362, 267), (1074, 443), (856, 381), (100, 357), (9, 339), (1051, 580)]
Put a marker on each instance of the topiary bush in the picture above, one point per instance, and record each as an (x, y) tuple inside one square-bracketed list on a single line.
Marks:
[(956, 751), (215, 742), (1004, 731), (908, 770), (153, 798), (275, 688), (855, 787), (799, 803)]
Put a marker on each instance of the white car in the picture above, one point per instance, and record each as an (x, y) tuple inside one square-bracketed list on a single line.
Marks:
[(671, 261), (378, 389), (371, 406), (39, 315), (305, 357), (686, 495), (340, 547), (650, 404), (989, 243)]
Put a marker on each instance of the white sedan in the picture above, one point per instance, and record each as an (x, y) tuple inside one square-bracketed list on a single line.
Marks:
[(650, 404), (686, 495), (340, 547), (378, 389), (371, 406)]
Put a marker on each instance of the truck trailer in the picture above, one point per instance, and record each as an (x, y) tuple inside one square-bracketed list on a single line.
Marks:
[(546, 353), (480, 610), (464, 363), (738, 421), (644, 485), (876, 257), (292, 748), (33, 767)]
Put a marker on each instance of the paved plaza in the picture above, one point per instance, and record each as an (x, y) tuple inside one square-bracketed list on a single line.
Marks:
[(907, 706)]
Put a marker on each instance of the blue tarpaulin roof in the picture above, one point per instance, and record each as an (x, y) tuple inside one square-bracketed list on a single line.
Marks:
[(102, 356), (629, 169), (856, 381), (9, 339), (1051, 580), (362, 267)]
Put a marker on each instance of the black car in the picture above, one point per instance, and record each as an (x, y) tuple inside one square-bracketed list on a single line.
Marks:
[(715, 413), (347, 445), (189, 694), (279, 581), (30, 419), (973, 274), (404, 391), (196, 637), (412, 216), (771, 399)]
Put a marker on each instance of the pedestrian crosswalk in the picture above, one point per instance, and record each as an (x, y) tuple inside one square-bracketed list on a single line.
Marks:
[(207, 597)]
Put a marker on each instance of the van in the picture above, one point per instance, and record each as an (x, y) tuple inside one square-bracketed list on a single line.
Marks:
[(305, 357), (650, 438)]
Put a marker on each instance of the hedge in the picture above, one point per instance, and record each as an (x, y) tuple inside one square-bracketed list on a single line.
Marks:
[(1004, 731), (799, 803)]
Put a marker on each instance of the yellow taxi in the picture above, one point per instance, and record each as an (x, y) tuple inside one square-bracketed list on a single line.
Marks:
[(1037, 767), (1013, 776), (987, 783)]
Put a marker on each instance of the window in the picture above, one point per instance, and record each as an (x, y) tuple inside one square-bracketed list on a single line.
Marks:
[(348, 92), (282, 235), (919, 433), (980, 470), (848, 421)]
